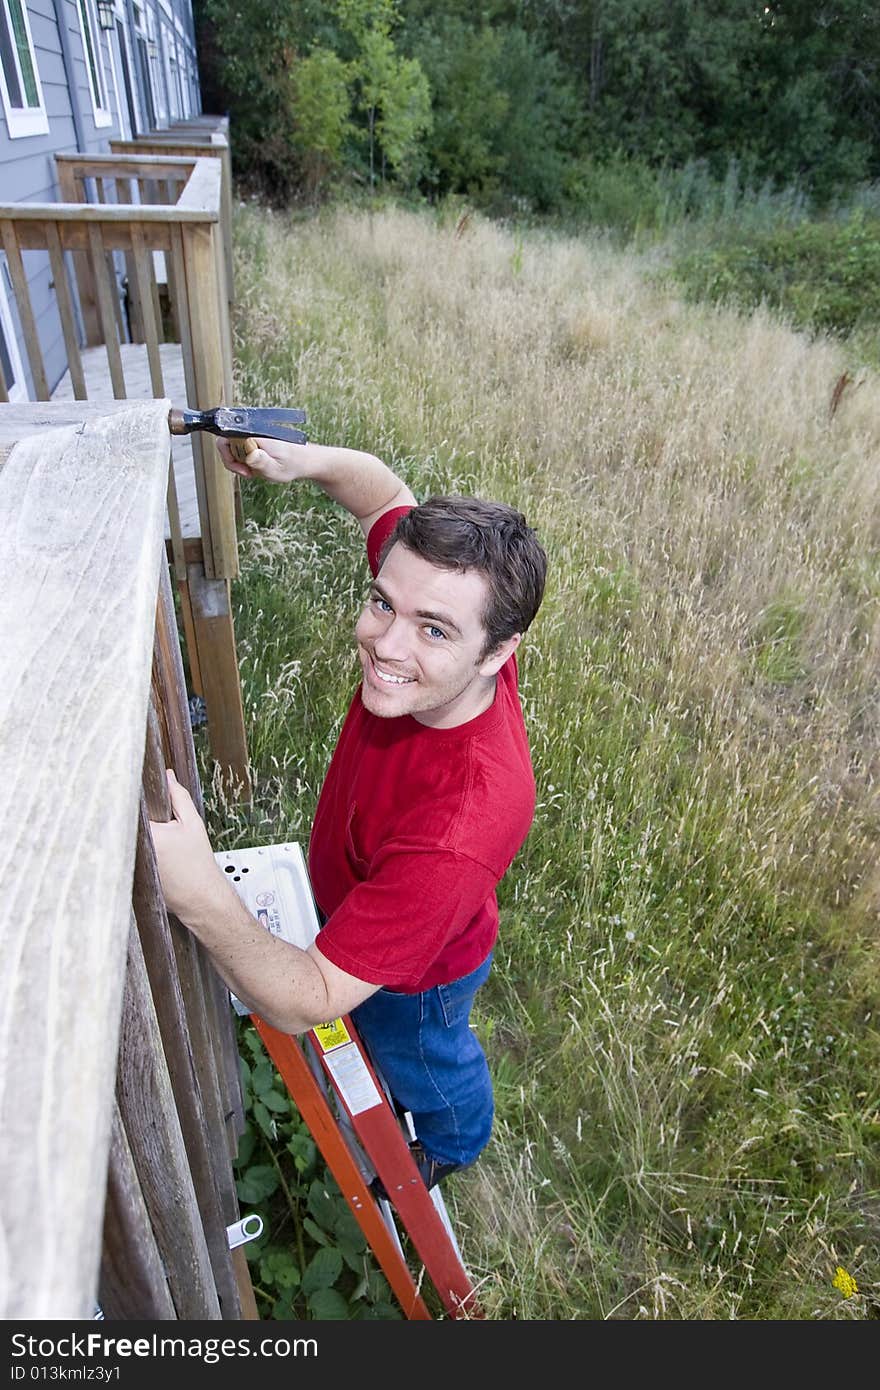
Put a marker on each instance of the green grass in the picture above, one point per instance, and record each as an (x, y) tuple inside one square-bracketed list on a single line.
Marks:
[(681, 1020)]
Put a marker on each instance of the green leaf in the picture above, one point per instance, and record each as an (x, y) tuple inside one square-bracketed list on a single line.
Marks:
[(315, 1231), (264, 1119), (278, 1267), (301, 1145), (322, 1271), (355, 1260), (245, 1073), (327, 1303), (257, 1183), (321, 1205), (382, 1311), (275, 1102), (263, 1078), (348, 1232)]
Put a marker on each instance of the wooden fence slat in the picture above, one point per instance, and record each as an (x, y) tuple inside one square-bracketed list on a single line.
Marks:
[(71, 192), (25, 308), (115, 300), (105, 307), (82, 515), (211, 1029), (146, 1103), (146, 282), (65, 309), (132, 1283), (200, 444), (224, 326), (189, 1084), (177, 742), (178, 549)]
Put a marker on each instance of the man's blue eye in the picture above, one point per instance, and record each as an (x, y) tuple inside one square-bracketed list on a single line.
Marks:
[(382, 603), (436, 634)]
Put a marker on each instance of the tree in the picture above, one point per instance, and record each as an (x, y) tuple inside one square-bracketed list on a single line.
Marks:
[(322, 106)]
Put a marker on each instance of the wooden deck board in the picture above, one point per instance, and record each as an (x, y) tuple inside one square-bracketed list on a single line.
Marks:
[(136, 370)]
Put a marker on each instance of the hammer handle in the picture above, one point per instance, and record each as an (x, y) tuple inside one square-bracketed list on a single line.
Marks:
[(240, 448)]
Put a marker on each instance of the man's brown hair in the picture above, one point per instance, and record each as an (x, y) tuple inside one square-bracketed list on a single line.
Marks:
[(469, 533)]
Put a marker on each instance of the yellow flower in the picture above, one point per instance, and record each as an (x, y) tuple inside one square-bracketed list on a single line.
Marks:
[(845, 1282)]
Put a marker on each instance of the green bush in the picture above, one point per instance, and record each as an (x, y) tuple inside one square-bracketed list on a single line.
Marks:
[(823, 276)]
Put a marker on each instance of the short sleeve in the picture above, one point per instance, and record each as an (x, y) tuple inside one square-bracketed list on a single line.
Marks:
[(379, 533)]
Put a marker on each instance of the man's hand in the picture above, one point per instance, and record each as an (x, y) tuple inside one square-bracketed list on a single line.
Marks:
[(275, 460), (192, 882)]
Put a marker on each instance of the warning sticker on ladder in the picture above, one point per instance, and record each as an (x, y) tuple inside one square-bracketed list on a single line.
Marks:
[(352, 1078), (332, 1035)]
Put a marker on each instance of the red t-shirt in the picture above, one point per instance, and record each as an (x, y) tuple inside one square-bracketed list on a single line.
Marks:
[(414, 829)]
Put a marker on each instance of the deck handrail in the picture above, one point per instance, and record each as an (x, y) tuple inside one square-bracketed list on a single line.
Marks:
[(119, 1096)]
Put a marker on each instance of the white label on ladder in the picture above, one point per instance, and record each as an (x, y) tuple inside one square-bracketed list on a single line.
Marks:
[(352, 1078)]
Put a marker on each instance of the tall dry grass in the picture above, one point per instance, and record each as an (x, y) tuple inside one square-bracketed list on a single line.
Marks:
[(681, 1019)]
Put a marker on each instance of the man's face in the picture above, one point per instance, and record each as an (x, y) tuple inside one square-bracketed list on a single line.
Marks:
[(420, 640)]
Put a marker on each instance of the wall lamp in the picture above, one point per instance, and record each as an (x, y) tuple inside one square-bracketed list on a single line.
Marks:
[(106, 14)]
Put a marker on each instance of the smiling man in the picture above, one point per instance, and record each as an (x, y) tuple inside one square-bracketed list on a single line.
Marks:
[(428, 797)]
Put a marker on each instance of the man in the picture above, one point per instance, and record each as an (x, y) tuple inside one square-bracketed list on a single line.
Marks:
[(428, 797)]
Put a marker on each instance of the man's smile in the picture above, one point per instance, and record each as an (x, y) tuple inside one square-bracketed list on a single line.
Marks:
[(388, 677)]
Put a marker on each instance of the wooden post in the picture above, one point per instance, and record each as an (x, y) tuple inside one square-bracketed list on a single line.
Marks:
[(209, 365), (218, 662)]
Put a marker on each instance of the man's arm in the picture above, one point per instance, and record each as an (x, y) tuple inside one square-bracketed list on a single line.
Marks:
[(360, 482), (292, 989)]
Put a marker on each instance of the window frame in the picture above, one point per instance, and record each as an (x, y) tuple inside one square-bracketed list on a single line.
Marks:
[(23, 121), (85, 12)]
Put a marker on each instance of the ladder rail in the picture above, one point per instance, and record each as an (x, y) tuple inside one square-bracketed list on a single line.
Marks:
[(287, 1054)]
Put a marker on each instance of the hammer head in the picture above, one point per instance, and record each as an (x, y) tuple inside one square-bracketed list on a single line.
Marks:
[(241, 422)]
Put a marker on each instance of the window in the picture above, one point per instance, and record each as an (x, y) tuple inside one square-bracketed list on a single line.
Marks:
[(94, 62), (19, 79)]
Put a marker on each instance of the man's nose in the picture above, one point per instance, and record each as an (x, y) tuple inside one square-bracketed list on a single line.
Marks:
[(393, 643)]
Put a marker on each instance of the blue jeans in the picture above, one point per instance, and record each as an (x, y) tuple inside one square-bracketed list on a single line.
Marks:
[(433, 1063)]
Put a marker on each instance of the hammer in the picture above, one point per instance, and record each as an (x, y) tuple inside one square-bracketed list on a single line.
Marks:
[(239, 424)]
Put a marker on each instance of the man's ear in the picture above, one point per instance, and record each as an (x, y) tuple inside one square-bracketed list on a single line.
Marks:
[(491, 664)]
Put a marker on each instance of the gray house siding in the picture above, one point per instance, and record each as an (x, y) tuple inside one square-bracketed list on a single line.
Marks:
[(26, 162), (165, 48)]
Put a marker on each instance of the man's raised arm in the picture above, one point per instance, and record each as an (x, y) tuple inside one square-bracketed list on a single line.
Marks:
[(360, 482)]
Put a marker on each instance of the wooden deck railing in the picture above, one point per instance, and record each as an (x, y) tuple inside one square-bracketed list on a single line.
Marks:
[(119, 1090), (140, 209), (194, 142)]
